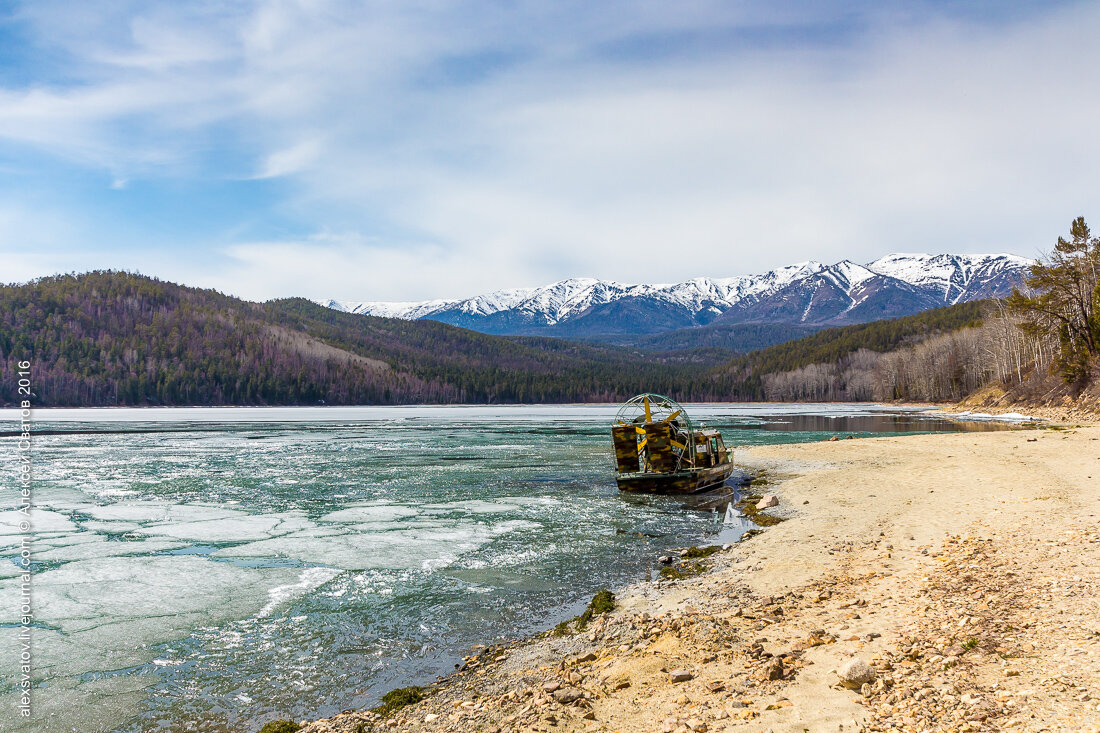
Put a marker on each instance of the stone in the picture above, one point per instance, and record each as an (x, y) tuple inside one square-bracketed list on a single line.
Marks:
[(568, 695), (665, 559), (680, 675), (772, 670), (697, 725), (430, 717), (856, 672), (551, 685), (768, 500)]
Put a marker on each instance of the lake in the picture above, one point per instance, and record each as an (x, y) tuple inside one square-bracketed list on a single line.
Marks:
[(210, 569)]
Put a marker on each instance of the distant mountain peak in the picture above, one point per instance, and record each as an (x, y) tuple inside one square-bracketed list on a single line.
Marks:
[(956, 277)]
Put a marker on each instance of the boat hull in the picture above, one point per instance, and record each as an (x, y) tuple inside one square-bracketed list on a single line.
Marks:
[(676, 482)]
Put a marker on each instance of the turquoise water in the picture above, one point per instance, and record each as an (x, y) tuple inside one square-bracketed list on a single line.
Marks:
[(210, 570)]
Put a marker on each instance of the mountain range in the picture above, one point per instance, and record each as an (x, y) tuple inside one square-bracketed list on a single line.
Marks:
[(117, 338), (802, 297)]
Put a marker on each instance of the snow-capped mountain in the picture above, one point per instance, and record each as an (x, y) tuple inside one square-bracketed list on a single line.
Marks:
[(808, 293), (958, 278)]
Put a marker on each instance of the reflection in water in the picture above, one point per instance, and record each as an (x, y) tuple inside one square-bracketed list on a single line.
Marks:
[(881, 423)]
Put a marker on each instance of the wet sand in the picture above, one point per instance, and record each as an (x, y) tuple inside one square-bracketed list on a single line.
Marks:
[(961, 569)]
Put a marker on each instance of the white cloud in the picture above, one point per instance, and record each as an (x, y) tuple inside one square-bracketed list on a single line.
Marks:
[(337, 266), (465, 150), (295, 159)]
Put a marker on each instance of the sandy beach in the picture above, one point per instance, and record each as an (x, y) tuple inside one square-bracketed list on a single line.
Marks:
[(953, 578)]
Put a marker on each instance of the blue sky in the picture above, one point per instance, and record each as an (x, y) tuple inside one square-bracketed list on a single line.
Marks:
[(411, 150)]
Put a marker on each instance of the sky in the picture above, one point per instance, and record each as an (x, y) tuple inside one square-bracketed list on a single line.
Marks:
[(420, 149)]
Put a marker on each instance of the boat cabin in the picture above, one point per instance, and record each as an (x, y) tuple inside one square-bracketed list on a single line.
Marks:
[(710, 450)]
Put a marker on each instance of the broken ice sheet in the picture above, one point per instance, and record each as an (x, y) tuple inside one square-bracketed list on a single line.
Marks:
[(479, 506), (71, 706), (108, 611), (100, 547), (405, 549), (41, 521), (158, 511), (9, 569), (369, 512), (240, 528)]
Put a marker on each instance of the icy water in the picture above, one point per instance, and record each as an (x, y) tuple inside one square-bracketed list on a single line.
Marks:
[(213, 569)]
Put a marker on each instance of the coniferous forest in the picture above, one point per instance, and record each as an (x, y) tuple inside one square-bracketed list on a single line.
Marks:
[(111, 338)]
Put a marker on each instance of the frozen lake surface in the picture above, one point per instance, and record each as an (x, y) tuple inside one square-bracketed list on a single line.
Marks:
[(210, 569)]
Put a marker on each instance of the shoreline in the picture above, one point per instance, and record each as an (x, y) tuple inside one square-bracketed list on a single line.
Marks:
[(1055, 415), (935, 593)]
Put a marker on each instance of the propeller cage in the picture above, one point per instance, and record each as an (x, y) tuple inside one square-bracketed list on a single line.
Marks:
[(653, 434)]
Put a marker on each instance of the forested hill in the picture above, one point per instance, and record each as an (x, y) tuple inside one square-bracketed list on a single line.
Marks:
[(110, 338), (744, 377)]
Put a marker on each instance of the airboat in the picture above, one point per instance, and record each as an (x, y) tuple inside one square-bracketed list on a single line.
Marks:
[(659, 451)]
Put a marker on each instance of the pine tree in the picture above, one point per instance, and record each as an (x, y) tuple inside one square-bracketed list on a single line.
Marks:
[(1065, 301)]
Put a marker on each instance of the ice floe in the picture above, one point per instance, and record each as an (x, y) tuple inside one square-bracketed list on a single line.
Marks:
[(105, 613), (41, 520), (373, 512), (309, 580), (9, 569), (100, 547), (246, 527), (407, 549), (984, 416), (477, 506), (191, 522), (159, 511)]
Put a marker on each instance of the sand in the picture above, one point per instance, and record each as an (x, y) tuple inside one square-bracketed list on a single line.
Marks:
[(962, 569)]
